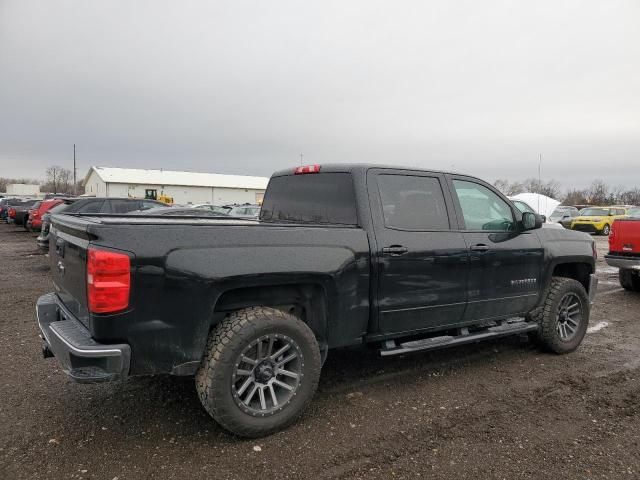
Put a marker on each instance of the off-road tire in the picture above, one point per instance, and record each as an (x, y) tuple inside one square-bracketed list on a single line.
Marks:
[(629, 279), (226, 342), (547, 315)]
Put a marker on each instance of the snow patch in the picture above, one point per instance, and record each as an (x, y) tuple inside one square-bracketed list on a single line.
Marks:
[(598, 326)]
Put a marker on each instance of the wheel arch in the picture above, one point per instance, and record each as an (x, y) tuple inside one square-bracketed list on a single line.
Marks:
[(307, 301), (576, 270)]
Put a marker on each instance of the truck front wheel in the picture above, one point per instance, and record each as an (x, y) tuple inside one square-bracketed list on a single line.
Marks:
[(260, 370), (564, 316), (629, 279)]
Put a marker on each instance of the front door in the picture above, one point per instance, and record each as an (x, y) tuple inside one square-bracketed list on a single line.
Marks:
[(505, 263), (421, 262)]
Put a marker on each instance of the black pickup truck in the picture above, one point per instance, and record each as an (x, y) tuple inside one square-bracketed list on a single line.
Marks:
[(401, 260)]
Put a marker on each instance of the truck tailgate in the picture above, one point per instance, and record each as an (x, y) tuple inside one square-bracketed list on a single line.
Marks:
[(68, 246), (625, 236)]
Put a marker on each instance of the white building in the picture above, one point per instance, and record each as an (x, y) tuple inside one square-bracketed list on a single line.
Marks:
[(184, 187), (23, 189)]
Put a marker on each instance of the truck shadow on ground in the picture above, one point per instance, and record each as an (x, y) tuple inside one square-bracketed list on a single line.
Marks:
[(171, 405)]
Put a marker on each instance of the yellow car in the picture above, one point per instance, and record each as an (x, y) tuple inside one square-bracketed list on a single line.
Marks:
[(597, 220)]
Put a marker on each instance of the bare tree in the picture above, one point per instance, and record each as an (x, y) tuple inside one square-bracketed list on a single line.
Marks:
[(598, 193), (508, 188), (58, 180), (550, 188)]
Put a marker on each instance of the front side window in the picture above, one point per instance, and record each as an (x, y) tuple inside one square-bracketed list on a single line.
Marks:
[(413, 203), (523, 207), (483, 209)]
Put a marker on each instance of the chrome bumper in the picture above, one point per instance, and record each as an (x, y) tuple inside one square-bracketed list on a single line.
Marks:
[(81, 357), (623, 262)]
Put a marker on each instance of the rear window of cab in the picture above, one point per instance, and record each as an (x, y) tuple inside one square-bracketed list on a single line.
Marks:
[(325, 198)]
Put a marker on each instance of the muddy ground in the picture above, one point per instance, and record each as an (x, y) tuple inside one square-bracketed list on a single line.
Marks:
[(500, 410)]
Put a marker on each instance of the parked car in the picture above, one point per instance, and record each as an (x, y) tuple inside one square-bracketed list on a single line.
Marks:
[(525, 207), (213, 208), (43, 239), (244, 211), (18, 212), (34, 219), (92, 205), (564, 215), (5, 204), (401, 260), (597, 220), (624, 249), (180, 211)]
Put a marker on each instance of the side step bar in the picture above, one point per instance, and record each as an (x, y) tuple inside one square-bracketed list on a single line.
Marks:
[(509, 327)]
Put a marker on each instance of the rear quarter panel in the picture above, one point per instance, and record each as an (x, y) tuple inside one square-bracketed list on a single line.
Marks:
[(182, 270)]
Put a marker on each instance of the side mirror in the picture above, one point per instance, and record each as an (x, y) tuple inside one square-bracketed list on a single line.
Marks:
[(544, 218), (531, 221)]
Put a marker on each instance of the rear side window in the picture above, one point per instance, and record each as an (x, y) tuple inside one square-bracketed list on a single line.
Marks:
[(413, 202), (122, 206), (312, 198), (90, 207)]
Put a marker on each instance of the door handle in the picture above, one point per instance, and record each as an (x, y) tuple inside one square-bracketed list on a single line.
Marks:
[(481, 247), (395, 250)]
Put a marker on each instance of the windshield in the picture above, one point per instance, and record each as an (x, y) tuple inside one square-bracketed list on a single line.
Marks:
[(634, 212), (593, 212)]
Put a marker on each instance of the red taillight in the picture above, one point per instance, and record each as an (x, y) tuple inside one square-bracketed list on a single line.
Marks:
[(12, 212), (307, 169), (108, 281)]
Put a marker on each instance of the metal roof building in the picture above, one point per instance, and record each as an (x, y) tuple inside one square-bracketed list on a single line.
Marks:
[(184, 187)]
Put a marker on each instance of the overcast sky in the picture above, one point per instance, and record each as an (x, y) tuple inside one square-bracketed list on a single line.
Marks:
[(238, 86)]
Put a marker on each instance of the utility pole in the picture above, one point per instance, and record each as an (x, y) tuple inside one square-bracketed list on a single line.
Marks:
[(75, 184), (301, 156)]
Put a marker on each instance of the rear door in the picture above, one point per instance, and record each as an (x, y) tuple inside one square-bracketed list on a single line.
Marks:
[(505, 263), (421, 262)]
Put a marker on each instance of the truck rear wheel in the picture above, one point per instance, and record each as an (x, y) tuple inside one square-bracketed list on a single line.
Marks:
[(629, 279), (564, 316), (260, 370)]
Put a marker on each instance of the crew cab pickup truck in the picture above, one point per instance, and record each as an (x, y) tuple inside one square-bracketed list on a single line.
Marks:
[(401, 260), (624, 249)]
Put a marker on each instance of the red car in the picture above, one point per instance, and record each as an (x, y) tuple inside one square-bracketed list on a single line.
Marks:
[(35, 214), (624, 249)]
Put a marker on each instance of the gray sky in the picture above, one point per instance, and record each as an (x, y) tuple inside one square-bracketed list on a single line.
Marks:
[(246, 86)]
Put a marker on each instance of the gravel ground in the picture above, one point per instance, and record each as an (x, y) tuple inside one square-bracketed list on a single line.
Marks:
[(500, 410)]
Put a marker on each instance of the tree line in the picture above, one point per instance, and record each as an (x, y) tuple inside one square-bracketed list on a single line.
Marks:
[(598, 193), (57, 180)]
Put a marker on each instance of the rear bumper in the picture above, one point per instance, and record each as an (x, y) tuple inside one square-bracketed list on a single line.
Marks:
[(82, 358), (623, 261)]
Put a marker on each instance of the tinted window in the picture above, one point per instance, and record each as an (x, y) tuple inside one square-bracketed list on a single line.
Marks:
[(311, 198), (59, 208), (91, 207), (147, 204), (482, 208), (412, 202), (123, 206)]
